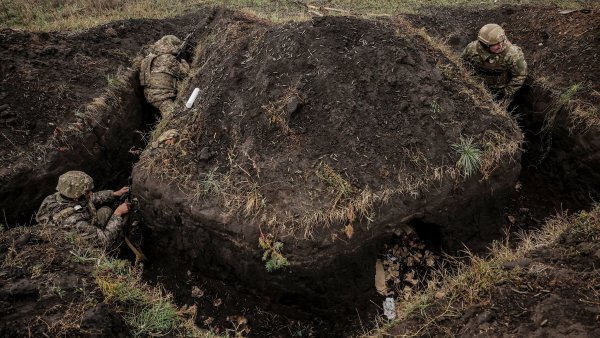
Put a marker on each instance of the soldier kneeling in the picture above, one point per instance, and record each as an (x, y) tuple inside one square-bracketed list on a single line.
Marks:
[(161, 73), (74, 206)]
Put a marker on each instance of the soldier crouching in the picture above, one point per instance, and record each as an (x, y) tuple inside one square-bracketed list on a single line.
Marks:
[(74, 206), (161, 73)]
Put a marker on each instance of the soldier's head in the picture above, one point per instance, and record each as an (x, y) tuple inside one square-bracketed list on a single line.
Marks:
[(168, 44), (493, 38), (74, 184)]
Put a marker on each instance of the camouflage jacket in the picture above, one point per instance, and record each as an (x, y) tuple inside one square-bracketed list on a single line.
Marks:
[(503, 73), (160, 75), (64, 212)]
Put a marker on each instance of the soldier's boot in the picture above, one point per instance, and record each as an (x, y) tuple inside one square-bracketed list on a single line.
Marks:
[(104, 215)]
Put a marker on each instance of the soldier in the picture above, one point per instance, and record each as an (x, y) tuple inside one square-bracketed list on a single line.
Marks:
[(74, 206), (161, 73), (500, 63)]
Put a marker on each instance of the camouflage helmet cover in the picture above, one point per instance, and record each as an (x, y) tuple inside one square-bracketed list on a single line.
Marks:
[(74, 184), (168, 44), (491, 34)]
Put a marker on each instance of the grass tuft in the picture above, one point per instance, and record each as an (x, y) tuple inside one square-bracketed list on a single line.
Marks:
[(469, 159)]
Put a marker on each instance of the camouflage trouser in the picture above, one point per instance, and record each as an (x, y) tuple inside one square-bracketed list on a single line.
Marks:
[(103, 215), (166, 108)]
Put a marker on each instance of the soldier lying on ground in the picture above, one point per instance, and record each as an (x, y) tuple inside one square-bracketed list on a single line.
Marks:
[(74, 206), (500, 63), (161, 73)]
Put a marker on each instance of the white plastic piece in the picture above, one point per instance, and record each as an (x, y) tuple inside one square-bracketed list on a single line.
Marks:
[(192, 99), (389, 308)]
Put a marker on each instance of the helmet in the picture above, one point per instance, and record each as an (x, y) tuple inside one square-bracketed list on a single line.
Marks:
[(73, 184), (168, 44), (491, 34)]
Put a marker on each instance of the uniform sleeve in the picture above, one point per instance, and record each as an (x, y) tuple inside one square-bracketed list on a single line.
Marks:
[(470, 52), (102, 197), (44, 213), (518, 72), (104, 237)]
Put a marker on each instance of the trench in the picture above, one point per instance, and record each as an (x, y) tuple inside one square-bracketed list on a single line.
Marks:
[(552, 179), (102, 151)]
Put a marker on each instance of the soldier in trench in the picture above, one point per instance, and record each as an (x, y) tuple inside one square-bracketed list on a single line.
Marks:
[(74, 206), (501, 64), (161, 72)]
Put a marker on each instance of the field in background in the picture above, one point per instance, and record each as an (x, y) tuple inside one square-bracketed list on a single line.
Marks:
[(58, 15)]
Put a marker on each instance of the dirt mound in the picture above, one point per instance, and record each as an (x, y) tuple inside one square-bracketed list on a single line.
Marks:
[(318, 140)]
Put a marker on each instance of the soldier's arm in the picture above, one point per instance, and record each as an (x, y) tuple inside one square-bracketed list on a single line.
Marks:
[(103, 197), (43, 214), (470, 52), (518, 71)]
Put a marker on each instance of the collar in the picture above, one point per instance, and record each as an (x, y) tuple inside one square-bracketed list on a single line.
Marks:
[(486, 54)]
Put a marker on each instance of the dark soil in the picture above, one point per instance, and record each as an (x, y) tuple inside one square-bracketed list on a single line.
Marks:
[(46, 291), (48, 80), (556, 293), (559, 170), (363, 99), (345, 88)]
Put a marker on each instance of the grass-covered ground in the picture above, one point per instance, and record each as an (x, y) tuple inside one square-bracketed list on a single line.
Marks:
[(56, 15)]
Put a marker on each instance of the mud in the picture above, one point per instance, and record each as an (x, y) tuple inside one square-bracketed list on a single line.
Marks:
[(253, 97), (274, 130)]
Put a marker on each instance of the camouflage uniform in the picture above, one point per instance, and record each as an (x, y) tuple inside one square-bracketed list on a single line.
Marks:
[(161, 73), (82, 216), (503, 73)]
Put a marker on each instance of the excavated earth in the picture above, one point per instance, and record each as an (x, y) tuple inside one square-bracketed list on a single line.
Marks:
[(293, 123), (324, 138)]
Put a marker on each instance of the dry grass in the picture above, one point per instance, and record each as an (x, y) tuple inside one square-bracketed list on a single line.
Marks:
[(54, 15), (451, 292)]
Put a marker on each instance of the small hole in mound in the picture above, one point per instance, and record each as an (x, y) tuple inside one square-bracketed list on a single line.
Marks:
[(429, 233)]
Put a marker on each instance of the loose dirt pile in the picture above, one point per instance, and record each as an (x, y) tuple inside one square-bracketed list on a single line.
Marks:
[(318, 140)]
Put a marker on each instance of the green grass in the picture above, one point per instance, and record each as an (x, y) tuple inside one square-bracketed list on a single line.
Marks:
[(469, 154), (147, 310), (55, 15)]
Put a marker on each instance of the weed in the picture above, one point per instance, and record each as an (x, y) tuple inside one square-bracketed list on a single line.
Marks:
[(70, 237), (469, 156), (435, 107), (272, 253), (149, 310), (255, 202), (563, 100), (210, 184), (153, 319), (36, 270), (58, 291), (328, 176), (112, 81), (83, 255), (2, 227)]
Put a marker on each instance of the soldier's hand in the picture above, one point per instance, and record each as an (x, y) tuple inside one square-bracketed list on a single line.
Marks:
[(122, 209), (120, 192)]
